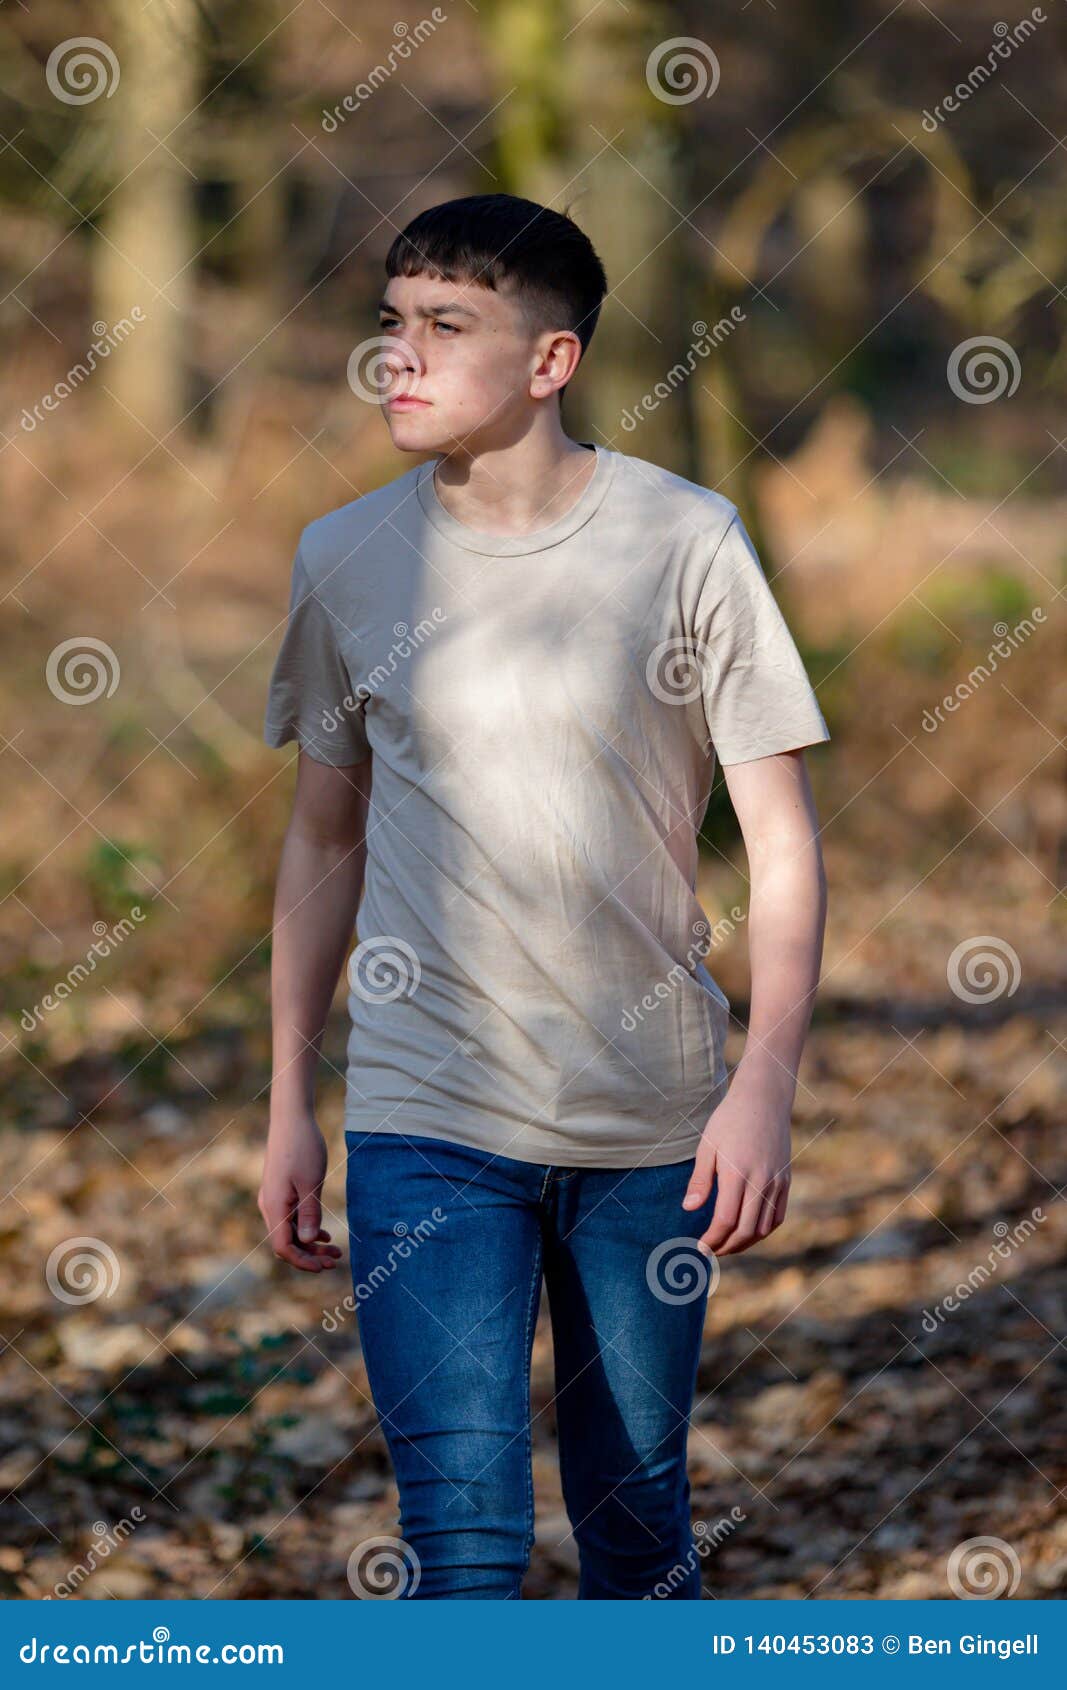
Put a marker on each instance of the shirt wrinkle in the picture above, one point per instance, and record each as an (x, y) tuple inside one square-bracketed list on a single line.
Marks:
[(541, 763)]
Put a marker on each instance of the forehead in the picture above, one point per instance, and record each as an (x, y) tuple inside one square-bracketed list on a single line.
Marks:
[(421, 296)]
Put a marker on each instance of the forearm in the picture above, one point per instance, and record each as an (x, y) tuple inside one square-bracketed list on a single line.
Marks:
[(787, 916), (316, 898)]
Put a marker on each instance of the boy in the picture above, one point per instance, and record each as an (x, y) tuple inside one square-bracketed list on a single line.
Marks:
[(510, 672)]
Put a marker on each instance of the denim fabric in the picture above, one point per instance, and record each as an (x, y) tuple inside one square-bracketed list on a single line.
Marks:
[(448, 1245)]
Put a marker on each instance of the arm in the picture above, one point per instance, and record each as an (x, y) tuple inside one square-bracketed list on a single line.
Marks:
[(320, 879), (747, 1138)]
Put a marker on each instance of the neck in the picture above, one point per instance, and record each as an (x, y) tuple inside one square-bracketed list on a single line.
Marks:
[(516, 488)]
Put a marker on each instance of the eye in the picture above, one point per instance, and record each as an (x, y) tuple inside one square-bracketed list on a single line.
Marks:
[(451, 327)]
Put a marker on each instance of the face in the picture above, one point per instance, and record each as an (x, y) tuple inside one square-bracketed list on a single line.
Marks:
[(464, 370)]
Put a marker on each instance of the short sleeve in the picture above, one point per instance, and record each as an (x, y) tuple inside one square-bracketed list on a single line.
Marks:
[(310, 696), (757, 697)]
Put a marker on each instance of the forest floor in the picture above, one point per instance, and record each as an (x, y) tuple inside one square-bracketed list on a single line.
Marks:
[(882, 1380)]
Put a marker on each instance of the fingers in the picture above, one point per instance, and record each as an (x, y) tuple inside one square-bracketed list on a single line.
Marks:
[(314, 1256), (290, 1236), (746, 1212), (701, 1177), (762, 1209), (308, 1217), (727, 1210), (765, 1223)]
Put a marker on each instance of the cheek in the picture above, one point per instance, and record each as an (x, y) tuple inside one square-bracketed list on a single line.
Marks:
[(480, 377)]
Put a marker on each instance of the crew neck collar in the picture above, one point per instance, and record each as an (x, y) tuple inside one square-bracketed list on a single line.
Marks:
[(514, 545)]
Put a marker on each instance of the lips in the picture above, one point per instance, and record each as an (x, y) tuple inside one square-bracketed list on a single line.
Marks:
[(407, 401)]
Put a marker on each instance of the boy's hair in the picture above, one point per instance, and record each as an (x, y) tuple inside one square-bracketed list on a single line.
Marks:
[(558, 279)]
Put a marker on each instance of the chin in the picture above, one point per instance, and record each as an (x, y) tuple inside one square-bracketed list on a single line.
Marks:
[(417, 431)]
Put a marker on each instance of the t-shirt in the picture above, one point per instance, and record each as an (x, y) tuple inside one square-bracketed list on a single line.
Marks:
[(544, 713)]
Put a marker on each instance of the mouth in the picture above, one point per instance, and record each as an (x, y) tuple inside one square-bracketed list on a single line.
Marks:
[(406, 402)]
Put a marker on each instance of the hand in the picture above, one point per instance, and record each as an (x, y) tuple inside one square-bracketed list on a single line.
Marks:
[(293, 1172), (746, 1144)]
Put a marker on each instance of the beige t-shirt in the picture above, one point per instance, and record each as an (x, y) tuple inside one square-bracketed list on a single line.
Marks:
[(544, 713)]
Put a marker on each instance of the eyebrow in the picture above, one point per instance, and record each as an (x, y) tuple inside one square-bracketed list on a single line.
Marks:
[(430, 310)]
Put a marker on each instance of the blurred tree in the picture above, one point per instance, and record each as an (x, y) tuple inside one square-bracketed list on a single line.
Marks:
[(145, 253), (580, 109)]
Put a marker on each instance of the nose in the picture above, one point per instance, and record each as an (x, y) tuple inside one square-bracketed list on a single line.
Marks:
[(404, 363)]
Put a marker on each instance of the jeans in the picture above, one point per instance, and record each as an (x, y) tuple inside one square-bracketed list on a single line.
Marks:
[(448, 1246)]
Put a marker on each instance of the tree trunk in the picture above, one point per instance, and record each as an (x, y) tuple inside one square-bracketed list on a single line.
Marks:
[(142, 256)]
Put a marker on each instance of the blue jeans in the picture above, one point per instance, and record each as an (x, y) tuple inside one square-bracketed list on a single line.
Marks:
[(448, 1246)]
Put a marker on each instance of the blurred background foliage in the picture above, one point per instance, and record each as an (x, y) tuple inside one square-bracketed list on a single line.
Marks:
[(219, 187)]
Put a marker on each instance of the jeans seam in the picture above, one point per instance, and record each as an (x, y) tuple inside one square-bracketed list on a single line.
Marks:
[(531, 1314)]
